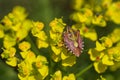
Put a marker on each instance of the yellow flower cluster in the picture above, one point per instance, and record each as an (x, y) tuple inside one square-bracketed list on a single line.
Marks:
[(89, 15), (37, 31), (106, 53), (14, 30), (59, 51), (15, 27), (32, 67)]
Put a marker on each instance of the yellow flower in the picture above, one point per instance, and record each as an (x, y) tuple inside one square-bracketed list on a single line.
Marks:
[(33, 67), (99, 47), (7, 22), (24, 46), (57, 50), (1, 32), (77, 4), (106, 41), (24, 30), (9, 41), (95, 55), (107, 61), (114, 35), (113, 12), (41, 43), (55, 57), (40, 61), (114, 53), (100, 67), (65, 54), (8, 53), (19, 13), (83, 16), (40, 34), (57, 25), (69, 77), (57, 75), (86, 32), (30, 57), (99, 20), (12, 61), (56, 37), (24, 70), (91, 34), (43, 71), (37, 27)]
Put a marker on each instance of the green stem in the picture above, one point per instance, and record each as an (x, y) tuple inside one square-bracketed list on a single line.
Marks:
[(84, 70), (33, 46)]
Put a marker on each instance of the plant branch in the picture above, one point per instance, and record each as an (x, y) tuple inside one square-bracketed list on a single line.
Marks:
[(84, 70)]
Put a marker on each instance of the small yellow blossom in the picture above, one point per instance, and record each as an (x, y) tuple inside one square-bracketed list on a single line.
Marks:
[(40, 61), (114, 35), (12, 61), (86, 32), (113, 12), (99, 47), (95, 55), (107, 61), (41, 35), (37, 27), (43, 71), (56, 37), (7, 22), (41, 43), (9, 41), (69, 77), (100, 67), (77, 4), (114, 53), (106, 41), (83, 16), (55, 57), (24, 46), (24, 70), (99, 20), (33, 67), (57, 75), (65, 54), (1, 32), (30, 57), (24, 30), (37, 31), (19, 12), (56, 49), (57, 25), (8, 53)]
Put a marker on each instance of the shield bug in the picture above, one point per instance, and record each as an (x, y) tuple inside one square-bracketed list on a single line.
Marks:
[(73, 41)]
